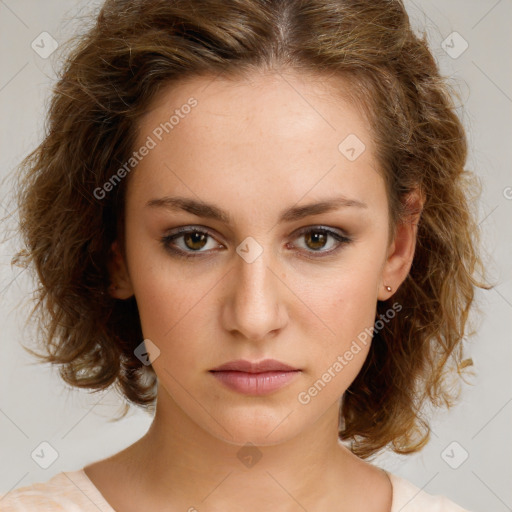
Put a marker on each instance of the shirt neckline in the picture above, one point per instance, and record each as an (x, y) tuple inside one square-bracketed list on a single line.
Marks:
[(87, 487)]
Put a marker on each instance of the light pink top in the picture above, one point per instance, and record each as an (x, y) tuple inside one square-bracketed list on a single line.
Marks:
[(72, 491)]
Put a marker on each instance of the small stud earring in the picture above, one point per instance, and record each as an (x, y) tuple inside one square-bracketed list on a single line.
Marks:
[(388, 288)]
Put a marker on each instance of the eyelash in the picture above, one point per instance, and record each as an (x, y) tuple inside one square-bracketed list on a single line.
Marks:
[(166, 241)]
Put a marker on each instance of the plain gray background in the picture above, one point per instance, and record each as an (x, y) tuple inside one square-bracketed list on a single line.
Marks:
[(36, 406)]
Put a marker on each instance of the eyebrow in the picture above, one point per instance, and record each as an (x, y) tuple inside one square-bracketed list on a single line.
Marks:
[(211, 211)]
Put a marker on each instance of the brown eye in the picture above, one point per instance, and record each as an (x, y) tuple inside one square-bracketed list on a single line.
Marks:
[(316, 239), (189, 242), (195, 240)]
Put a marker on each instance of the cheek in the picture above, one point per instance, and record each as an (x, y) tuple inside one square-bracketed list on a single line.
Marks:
[(174, 306), (175, 322), (167, 305), (156, 286), (346, 301), (337, 356), (344, 309)]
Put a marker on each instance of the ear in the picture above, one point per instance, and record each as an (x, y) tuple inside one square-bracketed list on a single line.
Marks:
[(401, 251), (121, 286)]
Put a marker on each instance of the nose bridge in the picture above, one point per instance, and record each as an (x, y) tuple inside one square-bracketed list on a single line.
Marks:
[(255, 302), (253, 277)]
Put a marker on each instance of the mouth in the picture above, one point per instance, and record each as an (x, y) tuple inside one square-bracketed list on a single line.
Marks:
[(255, 378), (266, 365)]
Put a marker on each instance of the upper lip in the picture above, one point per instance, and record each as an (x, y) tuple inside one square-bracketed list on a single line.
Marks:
[(266, 365)]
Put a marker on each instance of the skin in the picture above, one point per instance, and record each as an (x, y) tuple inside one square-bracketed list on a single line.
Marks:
[(254, 147)]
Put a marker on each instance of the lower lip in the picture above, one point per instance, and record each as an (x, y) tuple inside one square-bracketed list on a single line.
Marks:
[(255, 383)]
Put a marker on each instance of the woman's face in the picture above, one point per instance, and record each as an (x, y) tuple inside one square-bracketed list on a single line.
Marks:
[(260, 272)]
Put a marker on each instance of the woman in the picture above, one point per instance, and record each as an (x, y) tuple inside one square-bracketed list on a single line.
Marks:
[(251, 217)]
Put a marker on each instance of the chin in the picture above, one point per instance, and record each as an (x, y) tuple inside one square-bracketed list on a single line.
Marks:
[(263, 427)]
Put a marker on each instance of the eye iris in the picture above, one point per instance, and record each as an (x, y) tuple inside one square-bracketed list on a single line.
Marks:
[(195, 237), (317, 238)]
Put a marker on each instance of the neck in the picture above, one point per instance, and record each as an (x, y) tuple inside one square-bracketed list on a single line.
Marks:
[(179, 463)]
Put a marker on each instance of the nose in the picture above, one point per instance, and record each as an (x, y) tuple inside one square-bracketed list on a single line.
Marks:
[(253, 308)]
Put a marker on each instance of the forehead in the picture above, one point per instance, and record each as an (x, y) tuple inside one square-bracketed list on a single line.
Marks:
[(264, 131), (278, 103)]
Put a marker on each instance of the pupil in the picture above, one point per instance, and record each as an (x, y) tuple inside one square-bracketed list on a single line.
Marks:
[(318, 238), (196, 238)]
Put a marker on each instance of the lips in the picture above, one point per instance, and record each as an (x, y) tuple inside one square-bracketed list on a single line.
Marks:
[(255, 378), (267, 365)]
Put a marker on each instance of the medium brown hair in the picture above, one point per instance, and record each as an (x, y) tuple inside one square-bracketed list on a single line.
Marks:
[(136, 48)]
